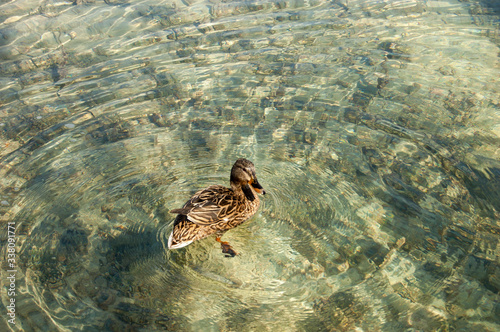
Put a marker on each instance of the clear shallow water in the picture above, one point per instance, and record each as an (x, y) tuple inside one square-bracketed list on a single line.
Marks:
[(374, 127)]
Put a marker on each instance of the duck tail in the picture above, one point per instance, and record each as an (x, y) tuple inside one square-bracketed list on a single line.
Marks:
[(173, 244)]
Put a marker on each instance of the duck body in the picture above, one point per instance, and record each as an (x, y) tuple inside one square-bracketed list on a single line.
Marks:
[(216, 209)]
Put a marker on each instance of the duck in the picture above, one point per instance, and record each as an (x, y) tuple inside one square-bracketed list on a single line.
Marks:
[(217, 209)]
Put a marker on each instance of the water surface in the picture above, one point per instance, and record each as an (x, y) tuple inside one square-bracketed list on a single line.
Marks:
[(374, 127)]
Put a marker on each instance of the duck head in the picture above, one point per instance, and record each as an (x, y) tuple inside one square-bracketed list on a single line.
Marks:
[(243, 175)]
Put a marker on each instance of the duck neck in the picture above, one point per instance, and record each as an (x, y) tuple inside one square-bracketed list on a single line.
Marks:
[(237, 189)]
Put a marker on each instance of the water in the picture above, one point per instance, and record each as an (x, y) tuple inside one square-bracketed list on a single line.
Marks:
[(374, 127)]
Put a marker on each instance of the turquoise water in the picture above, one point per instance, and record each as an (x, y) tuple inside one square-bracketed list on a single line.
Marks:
[(374, 127)]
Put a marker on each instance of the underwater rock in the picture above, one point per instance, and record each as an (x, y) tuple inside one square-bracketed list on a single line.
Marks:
[(396, 51), (340, 311)]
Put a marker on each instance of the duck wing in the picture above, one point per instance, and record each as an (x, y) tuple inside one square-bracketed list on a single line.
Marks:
[(208, 206)]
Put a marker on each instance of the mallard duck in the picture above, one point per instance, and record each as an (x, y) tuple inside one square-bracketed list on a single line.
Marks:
[(216, 209)]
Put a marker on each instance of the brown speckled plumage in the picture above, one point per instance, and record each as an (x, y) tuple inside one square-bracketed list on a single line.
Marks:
[(216, 209)]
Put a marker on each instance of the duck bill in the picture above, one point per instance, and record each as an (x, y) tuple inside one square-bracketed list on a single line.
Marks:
[(258, 188), (248, 192)]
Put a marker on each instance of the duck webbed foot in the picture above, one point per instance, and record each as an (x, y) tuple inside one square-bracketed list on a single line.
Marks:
[(226, 248)]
